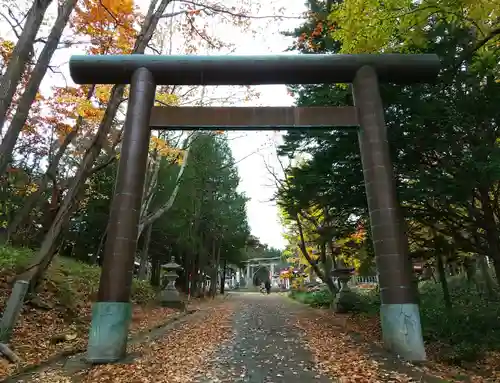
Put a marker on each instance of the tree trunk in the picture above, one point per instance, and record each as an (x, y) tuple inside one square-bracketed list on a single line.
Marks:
[(223, 277), (95, 257), (215, 273), (143, 266), (17, 65), (152, 171), (155, 270), (195, 277), (332, 252), (51, 173), (326, 261), (443, 280), (23, 108), (483, 265), (491, 229), (71, 197), (302, 246), (470, 268), (186, 264), (148, 220)]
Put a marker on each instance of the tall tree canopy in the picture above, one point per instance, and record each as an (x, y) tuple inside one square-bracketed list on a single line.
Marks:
[(443, 137), (59, 144)]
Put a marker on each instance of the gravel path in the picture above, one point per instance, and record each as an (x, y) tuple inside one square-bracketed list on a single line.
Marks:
[(266, 347)]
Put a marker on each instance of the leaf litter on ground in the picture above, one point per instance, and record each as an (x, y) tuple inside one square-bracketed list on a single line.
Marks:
[(347, 360), (41, 334), (33, 337), (489, 366), (178, 356)]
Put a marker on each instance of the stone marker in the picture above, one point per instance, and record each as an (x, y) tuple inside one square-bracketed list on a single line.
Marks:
[(12, 310), (170, 297)]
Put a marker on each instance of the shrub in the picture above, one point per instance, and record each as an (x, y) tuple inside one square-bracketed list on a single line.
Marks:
[(142, 292), (349, 302), (14, 259), (320, 298), (459, 335), (368, 300), (468, 329)]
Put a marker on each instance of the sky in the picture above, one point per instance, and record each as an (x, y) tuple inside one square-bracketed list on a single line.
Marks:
[(251, 150), (256, 182)]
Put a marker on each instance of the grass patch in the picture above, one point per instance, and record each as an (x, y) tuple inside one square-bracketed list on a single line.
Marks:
[(68, 282), (63, 306), (321, 298)]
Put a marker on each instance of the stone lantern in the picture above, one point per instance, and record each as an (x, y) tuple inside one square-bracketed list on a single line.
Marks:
[(169, 296), (342, 301)]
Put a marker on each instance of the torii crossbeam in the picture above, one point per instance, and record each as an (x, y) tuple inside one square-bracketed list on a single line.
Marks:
[(252, 118)]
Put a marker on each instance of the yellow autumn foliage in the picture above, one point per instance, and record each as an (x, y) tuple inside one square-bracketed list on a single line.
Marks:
[(6, 48), (369, 26), (166, 99), (162, 148)]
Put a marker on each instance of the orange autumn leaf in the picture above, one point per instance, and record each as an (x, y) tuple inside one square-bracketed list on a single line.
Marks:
[(110, 25)]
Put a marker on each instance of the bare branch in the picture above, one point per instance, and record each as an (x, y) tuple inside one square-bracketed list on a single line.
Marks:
[(204, 37), (468, 53), (12, 25), (173, 14), (154, 49), (221, 10)]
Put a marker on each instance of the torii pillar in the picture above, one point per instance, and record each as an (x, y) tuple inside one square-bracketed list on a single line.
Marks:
[(248, 276)]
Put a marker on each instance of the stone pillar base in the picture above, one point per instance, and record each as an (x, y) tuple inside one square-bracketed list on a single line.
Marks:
[(109, 332), (172, 299), (402, 332)]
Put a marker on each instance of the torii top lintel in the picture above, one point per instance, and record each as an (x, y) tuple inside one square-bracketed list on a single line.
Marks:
[(254, 70)]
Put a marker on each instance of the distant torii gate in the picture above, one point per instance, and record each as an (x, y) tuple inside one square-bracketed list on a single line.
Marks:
[(399, 310), (251, 263)]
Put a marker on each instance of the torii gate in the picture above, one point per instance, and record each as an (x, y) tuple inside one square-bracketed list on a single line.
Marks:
[(111, 314), (272, 262)]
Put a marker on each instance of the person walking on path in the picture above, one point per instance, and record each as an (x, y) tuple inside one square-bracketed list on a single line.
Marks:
[(268, 286)]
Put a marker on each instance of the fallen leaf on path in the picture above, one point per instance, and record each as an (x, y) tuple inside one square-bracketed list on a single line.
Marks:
[(42, 334), (179, 356), (341, 357), (370, 330)]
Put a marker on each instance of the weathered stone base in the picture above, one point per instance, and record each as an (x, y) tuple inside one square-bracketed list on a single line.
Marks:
[(345, 302), (172, 299), (109, 332), (402, 332)]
